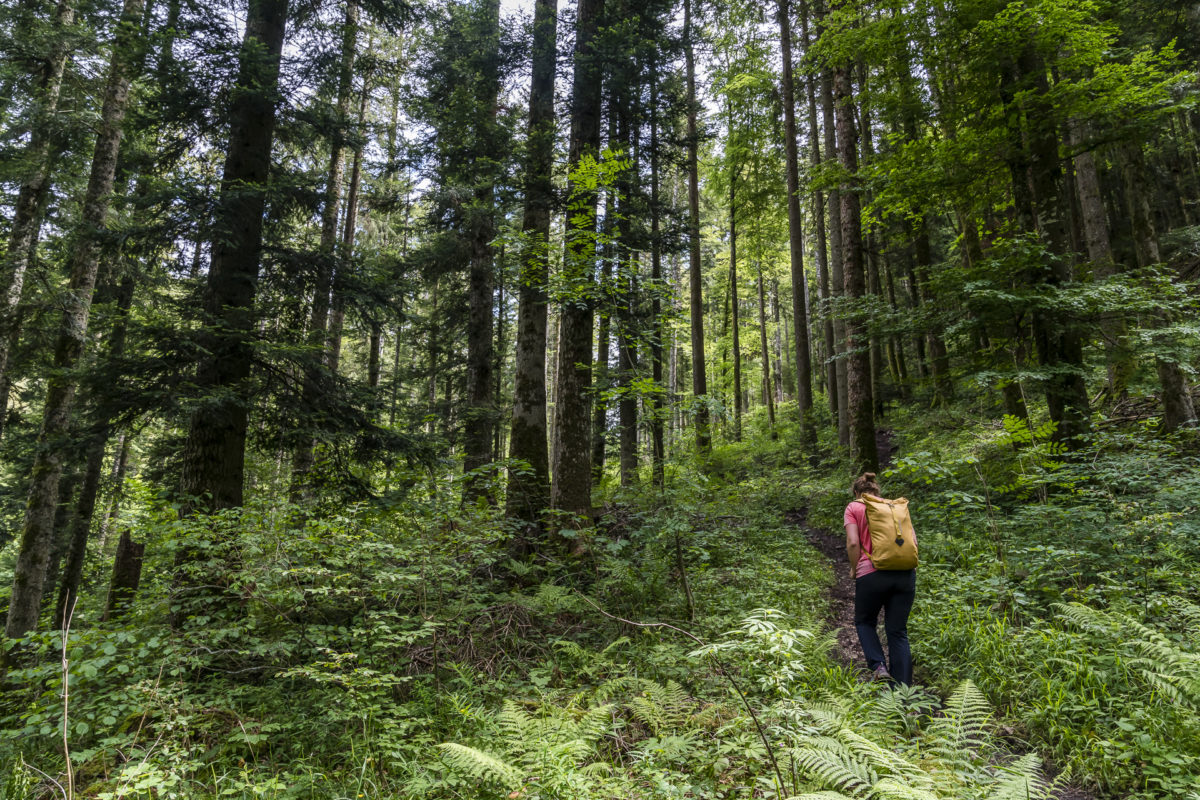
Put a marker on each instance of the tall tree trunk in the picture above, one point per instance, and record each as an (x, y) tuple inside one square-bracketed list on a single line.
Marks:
[(932, 342), (53, 439), (872, 256), (769, 396), (120, 466), (31, 196), (695, 282), (602, 373), (1178, 408), (1036, 172), (571, 490), (126, 575), (214, 455), (318, 323), (777, 344), (85, 504), (804, 397), (345, 262), (529, 491), (859, 404), (627, 363), (481, 405), (837, 268), (657, 445), (735, 303), (822, 252), (1104, 265), (896, 344)]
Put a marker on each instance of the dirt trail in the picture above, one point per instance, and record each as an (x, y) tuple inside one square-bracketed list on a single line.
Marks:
[(832, 545)]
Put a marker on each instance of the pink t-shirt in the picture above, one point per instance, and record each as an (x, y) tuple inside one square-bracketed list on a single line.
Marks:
[(856, 513)]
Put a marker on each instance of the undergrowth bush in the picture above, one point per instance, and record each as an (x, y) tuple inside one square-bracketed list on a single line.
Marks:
[(1056, 583)]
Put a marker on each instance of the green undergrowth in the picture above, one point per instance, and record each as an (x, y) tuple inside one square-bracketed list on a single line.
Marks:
[(403, 652), (361, 652), (1064, 587)]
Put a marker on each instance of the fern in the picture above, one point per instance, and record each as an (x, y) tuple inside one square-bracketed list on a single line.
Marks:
[(884, 760), (478, 764), (846, 759), (837, 767), (1167, 667), (662, 708), (1024, 781), (892, 789), (967, 714)]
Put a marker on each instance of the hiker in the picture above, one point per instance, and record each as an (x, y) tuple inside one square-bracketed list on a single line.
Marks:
[(880, 585)]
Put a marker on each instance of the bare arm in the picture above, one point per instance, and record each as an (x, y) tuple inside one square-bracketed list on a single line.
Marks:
[(853, 548)]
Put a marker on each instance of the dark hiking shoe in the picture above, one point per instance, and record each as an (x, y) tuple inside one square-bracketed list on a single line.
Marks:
[(881, 674)]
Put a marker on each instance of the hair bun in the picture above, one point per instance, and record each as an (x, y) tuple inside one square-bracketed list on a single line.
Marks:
[(869, 476)]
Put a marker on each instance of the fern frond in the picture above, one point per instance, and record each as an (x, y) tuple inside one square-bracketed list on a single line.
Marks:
[(836, 768), (967, 714), (518, 725), (595, 723), (662, 707), (572, 649), (478, 764), (829, 717), (618, 685), (1024, 781), (893, 789), (826, 795), (884, 761), (1189, 616), (1169, 668), (620, 641)]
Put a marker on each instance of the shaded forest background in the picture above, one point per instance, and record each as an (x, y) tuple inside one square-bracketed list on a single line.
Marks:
[(368, 368)]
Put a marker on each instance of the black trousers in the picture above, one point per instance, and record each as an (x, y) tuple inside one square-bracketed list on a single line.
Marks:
[(893, 591)]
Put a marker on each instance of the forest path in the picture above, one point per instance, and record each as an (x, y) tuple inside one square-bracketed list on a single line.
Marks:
[(832, 544)]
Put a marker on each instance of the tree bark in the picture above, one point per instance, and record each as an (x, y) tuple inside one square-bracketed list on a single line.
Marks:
[(1179, 410), (804, 397), (872, 258), (896, 344), (53, 439), (839, 375), (214, 454), (1036, 171), (657, 444), (85, 504), (571, 490), (859, 404), (768, 395), (481, 404), (529, 492), (627, 363), (822, 253), (695, 280), (735, 303), (126, 575), (1118, 359), (120, 467)]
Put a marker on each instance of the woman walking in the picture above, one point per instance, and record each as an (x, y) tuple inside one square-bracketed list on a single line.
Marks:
[(892, 590)]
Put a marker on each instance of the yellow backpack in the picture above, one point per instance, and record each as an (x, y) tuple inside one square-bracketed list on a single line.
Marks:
[(893, 544)]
